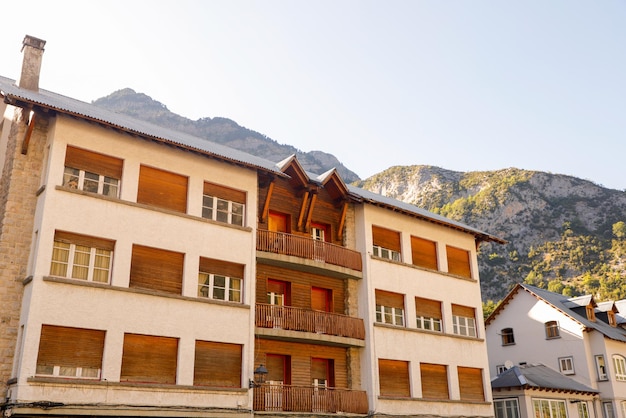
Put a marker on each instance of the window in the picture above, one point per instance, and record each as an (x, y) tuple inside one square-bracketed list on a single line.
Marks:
[(583, 409), (434, 381), (76, 256), (223, 204), (386, 243), (591, 313), (601, 367), (619, 363), (156, 269), (217, 364), (394, 378), (219, 279), (566, 365), (458, 262), (389, 308), (162, 189), (463, 320), (607, 407), (424, 253), (506, 408), (471, 384), (320, 232), (428, 314), (552, 329), (549, 408), (500, 368), (507, 336), (92, 172), (149, 359), (70, 352), (611, 318), (322, 373)]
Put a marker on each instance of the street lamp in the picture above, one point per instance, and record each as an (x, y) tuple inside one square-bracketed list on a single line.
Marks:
[(260, 373)]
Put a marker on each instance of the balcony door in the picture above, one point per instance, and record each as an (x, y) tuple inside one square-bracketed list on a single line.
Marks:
[(278, 222), (279, 374), (322, 377), (278, 295), (321, 300)]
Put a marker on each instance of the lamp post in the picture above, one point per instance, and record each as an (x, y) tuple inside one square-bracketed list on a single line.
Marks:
[(260, 373)]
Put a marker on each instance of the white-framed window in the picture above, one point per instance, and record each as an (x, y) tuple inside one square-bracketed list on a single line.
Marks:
[(222, 210), (601, 367), (566, 365), (500, 368), (623, 405), (552, 329), (215, 286), (431, 324), (506, 408), (549, 408), (67, 371), (607, 408), (80, 262), (90, 182), (318, 234), (583, 409), (619, 363), (464, 325), (389, 315), (386, 253)]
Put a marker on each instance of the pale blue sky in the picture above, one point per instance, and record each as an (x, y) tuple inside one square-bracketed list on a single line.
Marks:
[(463, 85)]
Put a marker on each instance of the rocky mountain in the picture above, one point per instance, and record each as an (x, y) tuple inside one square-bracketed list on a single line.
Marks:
[(220, 130), (563, 233)]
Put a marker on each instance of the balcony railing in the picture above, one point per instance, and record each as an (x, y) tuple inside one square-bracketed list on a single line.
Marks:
[(286, 398), (307, 247), (306, 320)]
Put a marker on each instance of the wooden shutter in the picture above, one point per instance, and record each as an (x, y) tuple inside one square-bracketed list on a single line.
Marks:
[(386, 238), (93, 162), (217, 364), (466, 311), (471, 384), (220, 267), (162, 189), (278, 368), (225, 193), (155, 269), (86, 240), (149, 359), (319, 369), (424, 253), (72, 347), (434, 381), (389, 299), (321, 299), (428, 308), (459, 262), (394, 378)]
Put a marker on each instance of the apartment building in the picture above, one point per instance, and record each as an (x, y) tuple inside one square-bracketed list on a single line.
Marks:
[(152, 273), (582, 339)]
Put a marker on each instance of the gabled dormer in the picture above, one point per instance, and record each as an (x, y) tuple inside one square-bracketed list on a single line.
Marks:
[(607, 312), (583, 305)]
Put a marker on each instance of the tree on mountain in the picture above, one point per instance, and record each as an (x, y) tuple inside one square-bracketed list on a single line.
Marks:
[(619, 229)]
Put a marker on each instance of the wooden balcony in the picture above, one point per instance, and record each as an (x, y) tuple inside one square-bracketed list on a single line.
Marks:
[(286, 398), (306, 247), (306, 320)]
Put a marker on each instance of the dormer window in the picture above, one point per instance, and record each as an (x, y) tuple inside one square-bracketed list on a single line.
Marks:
[(612, 319), (591, 314)]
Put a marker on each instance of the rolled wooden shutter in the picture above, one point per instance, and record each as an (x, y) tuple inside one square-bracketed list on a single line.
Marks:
[(428, 308), (223, 268), (386, 238), (319, 369), (86, 240), (424, 253), (434, 381), (225, 193), (217, 364), (149, 359), (471, 384), (458, 262), (93, 162), (394, 378), (72, 347), (162, 189), (389, 299), (466, 311), (156, 269)]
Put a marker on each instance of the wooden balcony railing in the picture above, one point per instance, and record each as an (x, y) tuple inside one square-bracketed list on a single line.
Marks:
[(286, 398), (306, 320), (307, 247)]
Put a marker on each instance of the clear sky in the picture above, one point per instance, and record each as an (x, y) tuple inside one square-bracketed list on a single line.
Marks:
[(462, 85)]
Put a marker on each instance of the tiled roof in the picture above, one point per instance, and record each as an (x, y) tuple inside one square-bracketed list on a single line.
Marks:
[(538, 376)]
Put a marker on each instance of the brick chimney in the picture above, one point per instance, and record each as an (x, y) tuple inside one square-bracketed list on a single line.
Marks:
[(32, 49)]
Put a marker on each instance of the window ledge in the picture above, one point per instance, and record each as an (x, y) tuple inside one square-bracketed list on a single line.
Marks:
[(507, 344), (153, 208), (425, 331), (77, 282), (451, 401), (401, 263)]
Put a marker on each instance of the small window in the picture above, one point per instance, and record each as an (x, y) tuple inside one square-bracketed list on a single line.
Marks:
[(434, 381), (506, 408), (428, 314), (82, 257), (619, 363), (463, 320), (459, 262), (566, 365), (507, 336), (611, 318), (609, 412), (220, 280), (500, 368), (552, 329), (601, 368), (92, 172), (424, 253), (591, 314), (583, 409), (471, 384), (386, 243), (162, 189), (393, 377), (389, 308)]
